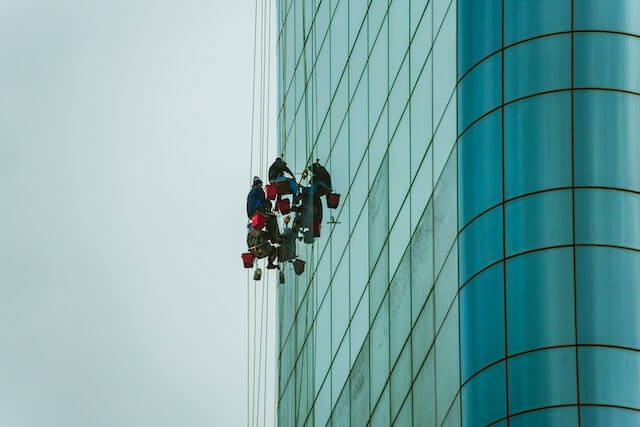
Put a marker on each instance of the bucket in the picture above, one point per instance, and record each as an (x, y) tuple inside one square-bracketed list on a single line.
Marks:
[(284, 206), (271, 190), (316, 229), (333, 200), (247, 259), (298, 266), (258, 222)]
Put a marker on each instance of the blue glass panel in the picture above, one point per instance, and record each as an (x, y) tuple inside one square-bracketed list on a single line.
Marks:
[(480, 168), (608, 296), (479, 31), (537, 144), (609, 376), (421, 261), (379, 348), (447, 363), (381, 416), (422, 335), (607, 139), (424, 411), (540, 300), (599, 219), (538, 221), (618, 15), (445, 200), (360, 386), (536, 66), (401, 379), (524, 18), (593, 416), (542, 378), (484, 398), (480, 243), (555, 417), (444, 64), (482, 321), (597, 61), (400, 307), (480, 91)]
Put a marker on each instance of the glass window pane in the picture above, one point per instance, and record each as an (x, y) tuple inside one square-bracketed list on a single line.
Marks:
[(399, 237), (446, 286), (341, 412), (538, 221), (439, 10), (421, 190), (453, 417), (421, 43), (592, 416), (421, 119), (608, 296), (424, 411), (339, 370), (540, 300), (321, 407), (447, 363), (480, 167), (524, 18), (597, 61), (609, 376), (421, 261), (607, 139), (404, 418), (542, 378), (598, 218), (445, 205), (358, 131), (482, 321), (536, 66), (481, 89), (398, 34), (379, 357), (422, 335), (537, 144), (400, 380), (484, 398), (340, 309), (359, 327), (400, 307), (378, 144), (444, 140), (379, 282), (378, 212), (444, 65), (480, 243), (380, 415), (619, 15), (400, 176), (556, 417), (360, 386), (378, 69), (479, 28)]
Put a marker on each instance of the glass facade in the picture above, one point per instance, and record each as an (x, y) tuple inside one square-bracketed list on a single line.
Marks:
[(483, 267)]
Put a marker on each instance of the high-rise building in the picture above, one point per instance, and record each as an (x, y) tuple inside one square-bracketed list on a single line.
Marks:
[(483, 266)]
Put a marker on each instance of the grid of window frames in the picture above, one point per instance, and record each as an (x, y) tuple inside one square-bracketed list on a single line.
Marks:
[(485, 264)]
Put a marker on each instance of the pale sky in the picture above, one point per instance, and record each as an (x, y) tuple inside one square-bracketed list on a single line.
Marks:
[(124, 135)]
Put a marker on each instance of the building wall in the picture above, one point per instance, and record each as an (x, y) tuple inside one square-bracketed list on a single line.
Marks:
[(485, 264)]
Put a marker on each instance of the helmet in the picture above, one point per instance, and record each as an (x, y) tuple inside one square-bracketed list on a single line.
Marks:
[(257, 180)]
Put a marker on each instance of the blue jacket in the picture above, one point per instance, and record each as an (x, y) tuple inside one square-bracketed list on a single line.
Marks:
[(255, 198)]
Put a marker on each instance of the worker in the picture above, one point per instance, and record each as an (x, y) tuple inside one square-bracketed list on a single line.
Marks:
[(320, 180), (256, 198), (276, 174), (259, 246)]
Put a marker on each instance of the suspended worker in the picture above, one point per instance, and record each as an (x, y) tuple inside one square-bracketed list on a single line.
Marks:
[(256, 200), (276, 174), (320, 180)]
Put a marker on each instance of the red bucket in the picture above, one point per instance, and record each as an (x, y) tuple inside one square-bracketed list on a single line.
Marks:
[(258, 222), (247, 259), (316, 229), (272, 191), (333, 199), (298, 266), (284, 206)]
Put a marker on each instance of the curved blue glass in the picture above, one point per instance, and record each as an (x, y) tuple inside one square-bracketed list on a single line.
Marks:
[(594, 416), (480, 244), (619, 15), (482, 321), (480, 168), (608, 296), (537, 65), (524, 18), (607, 139), (542, 378), (537, 143), (599, 219), (609, 376), (484, 398), (479, 31), (540, 300), (554, 417), (598, 61), (537, 221), (480, 91)]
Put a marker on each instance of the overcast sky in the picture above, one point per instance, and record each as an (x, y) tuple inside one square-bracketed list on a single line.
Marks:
[(124, 127)]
